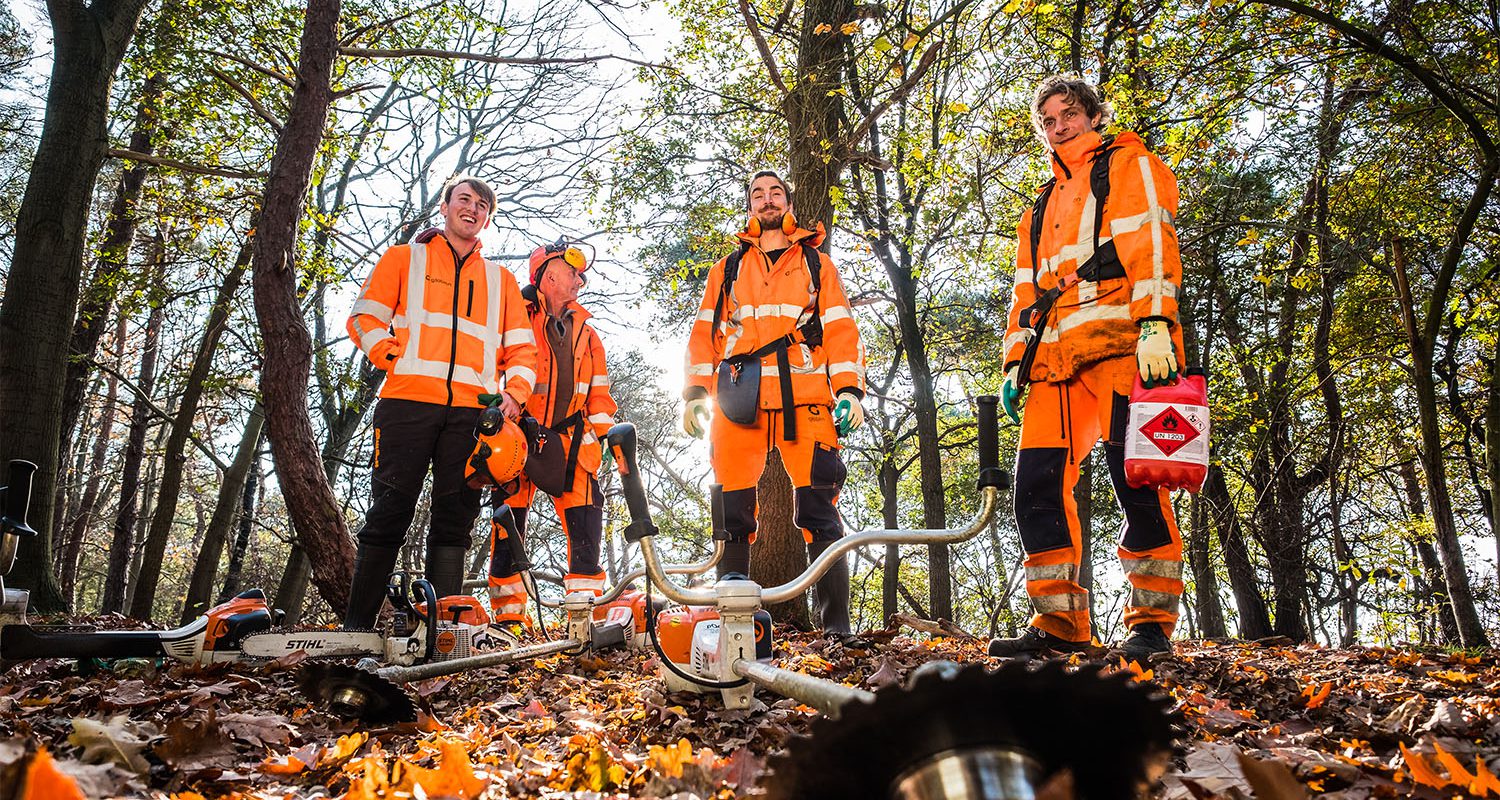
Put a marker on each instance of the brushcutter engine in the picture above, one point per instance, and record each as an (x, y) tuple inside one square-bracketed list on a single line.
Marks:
[(689, 653)]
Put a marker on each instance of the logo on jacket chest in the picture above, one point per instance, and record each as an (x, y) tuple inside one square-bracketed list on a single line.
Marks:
[(439, 280)]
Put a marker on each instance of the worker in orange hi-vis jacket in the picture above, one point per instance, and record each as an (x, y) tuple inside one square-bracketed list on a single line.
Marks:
[(571, 400), (776, 347), (447, 326), (1097, 279)]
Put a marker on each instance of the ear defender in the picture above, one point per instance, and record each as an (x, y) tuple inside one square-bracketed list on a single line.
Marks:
[(754, 227), (788, 223)]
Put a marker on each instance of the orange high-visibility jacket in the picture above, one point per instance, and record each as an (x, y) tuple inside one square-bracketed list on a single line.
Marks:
[(767, 302), (460, 333), (1094, 321), (590, 378)]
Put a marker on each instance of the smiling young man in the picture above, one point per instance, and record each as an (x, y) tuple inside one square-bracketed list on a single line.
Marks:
[(447, 326), (572, 400), (775, 346), (1097, 277)]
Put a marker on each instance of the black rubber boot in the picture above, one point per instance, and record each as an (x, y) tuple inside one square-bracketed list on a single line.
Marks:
[(1033, 642), (372, 571), (736, 560), (1145, 640), (831, 594), (445, 569)]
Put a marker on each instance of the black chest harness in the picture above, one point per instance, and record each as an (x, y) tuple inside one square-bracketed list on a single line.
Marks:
[(739, 376), (1103, 263)]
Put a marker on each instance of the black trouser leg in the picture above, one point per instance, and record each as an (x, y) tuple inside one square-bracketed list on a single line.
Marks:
[(372, 571), (736, 559), (831, 594), (445, 569)]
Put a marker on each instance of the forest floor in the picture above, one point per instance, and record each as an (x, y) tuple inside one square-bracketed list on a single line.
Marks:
[(1264, 720)]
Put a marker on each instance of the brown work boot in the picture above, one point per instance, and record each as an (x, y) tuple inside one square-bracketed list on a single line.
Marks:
[(1034, 642)]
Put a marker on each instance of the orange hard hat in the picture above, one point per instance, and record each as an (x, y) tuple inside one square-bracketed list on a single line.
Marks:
[(570, 252), (498, 457)]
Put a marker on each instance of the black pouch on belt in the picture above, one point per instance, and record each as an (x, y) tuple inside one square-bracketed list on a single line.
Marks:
[(739, 389), (549, 465)]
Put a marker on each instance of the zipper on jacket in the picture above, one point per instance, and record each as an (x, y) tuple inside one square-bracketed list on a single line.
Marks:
[(469, 309), (458, 264)]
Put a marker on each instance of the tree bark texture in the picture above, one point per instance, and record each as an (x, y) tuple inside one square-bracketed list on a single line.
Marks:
[(128, 509), (226, 506), (78, 526), (315, 513), (1254, 619), (41, 291), (889, 509), (175, 454), (779, 554), (236, 567), (1205, 579), (1433, 589)]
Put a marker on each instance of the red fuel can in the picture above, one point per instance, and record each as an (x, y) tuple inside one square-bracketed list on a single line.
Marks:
[(1166, 442)]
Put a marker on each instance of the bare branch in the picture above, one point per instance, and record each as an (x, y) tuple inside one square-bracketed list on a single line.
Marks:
[(158, 411), (255, 104), (896, 96), (760, 44), (183, 166), (286, 80), (428, 52)]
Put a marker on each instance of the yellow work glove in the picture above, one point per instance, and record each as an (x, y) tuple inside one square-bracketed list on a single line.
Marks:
[(695, 417), (1011, 392), (1154, 355)]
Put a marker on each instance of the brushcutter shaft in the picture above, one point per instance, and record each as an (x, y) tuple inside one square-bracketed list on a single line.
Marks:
[(826, 696), (437, 669)]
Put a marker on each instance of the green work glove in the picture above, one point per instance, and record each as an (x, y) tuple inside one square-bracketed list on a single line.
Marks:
[(1154, 355), (1011, 393), (695, 417), (848, 413), (491, 399)]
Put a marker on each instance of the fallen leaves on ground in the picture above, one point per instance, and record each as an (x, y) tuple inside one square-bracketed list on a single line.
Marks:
[(1270, 721)]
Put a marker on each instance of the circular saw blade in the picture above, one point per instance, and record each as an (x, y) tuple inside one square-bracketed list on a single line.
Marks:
[(1113, 733), (355, 693)]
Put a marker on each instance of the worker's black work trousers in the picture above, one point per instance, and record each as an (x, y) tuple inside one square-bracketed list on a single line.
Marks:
[(410, 436)]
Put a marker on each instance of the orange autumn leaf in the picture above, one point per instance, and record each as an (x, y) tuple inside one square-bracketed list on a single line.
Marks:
[(1316, 695), (1484, 780), (368, 778), (454, 775), (668, 761), (282, 765), (1134, 668), (44, 781), (822, 29), (344, 749), (1457, 775), (1421, 772)]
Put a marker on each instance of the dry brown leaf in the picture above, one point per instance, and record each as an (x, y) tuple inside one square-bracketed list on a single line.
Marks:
[(116, 740)]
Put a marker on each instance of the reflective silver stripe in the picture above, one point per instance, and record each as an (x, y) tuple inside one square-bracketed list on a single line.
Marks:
[(462, 373), (836, 313), (1019, 337), (1134, 222), (491, 336), (1023, 275), (516, 336), (1145, 598), (416, 291), (1156, 233), (572, 584), (1153, 287), (368, 341), (700, 369), (600, 380), (373, 308), (840, 367), (1087, 314), (1158, 567), (769, 310), (524, 373), (580, 388), (601, 419), (1052, 603), (511, 588), (1050, 572), (706, 316)]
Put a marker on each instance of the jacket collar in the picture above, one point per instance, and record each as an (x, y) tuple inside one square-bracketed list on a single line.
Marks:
[(1074, 155), (813, 237)]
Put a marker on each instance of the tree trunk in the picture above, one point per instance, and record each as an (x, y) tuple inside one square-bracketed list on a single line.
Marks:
[(291, 592), (1205, 579), (242, 535), (1254, 620), (41, 291), (1455, 572), (890, 498), (231, 487), (128, 510), (1434, 589), (779, 554), (315, 513), (1083, 495), (1492, 447), (175, 455), (98, 300), (73, 546)]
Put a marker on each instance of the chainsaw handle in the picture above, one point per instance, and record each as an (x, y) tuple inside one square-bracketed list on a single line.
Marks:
[(622, 439), (988, 416), (17, 499), (422, 592)]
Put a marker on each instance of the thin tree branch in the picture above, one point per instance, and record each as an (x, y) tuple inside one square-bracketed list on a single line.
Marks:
[(896, 96), (160, 412), (255, 104), (760, 44), (172, 163), (460, 55)]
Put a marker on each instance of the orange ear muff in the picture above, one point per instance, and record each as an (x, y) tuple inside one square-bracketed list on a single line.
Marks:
[(754, 227), (788, 223)]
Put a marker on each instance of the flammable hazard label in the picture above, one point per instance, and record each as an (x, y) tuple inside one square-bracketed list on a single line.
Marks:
[(1176, 431)]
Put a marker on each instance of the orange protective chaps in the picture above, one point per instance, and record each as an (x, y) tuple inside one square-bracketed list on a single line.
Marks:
[(1062, 423), (738, 456)]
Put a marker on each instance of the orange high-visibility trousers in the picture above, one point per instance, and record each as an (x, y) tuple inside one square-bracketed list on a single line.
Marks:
[(581, 511), (737, 454), (1062, 422)]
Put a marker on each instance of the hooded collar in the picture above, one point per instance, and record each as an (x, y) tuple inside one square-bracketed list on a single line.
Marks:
[(1074, 155)]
